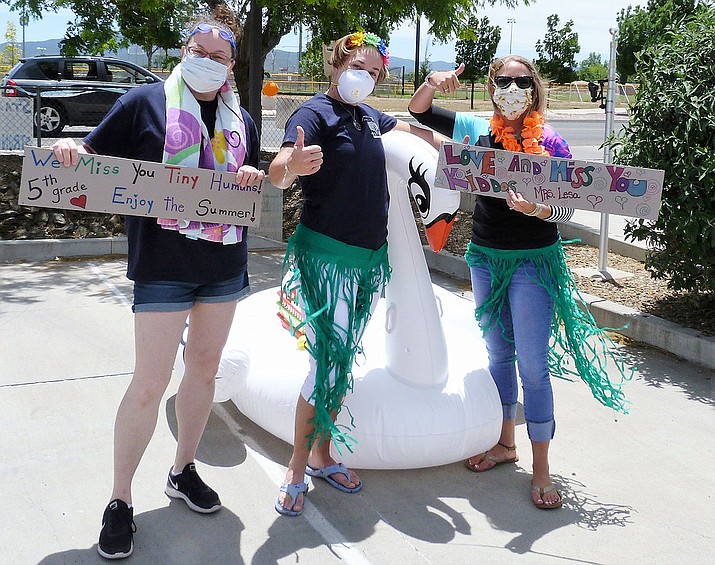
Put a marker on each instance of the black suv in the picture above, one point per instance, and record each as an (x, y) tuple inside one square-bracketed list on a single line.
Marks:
[(75, 91)]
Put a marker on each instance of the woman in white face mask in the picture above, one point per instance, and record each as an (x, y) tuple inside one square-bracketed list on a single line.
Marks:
[(333, 146), (516, 242)]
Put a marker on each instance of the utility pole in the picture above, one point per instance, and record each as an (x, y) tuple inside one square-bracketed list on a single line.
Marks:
[(511, 22)]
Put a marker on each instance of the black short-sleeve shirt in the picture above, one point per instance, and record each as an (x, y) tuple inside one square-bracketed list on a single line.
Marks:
[(134, 129), (347, 198)]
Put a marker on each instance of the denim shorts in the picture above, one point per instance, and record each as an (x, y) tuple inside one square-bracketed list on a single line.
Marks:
[(172, 296)]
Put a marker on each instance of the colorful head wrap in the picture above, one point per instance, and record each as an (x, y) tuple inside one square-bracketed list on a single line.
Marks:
[(360, 38)]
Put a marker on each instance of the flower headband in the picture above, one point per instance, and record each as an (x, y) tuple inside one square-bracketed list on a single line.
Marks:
[(360, 38)]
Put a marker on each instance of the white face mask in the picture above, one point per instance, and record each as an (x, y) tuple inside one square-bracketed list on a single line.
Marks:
[(355, 85), (203, 74), (512, 101)]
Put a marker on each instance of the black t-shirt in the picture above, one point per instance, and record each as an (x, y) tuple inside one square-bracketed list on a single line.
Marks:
[(135, 129), (347, 198)]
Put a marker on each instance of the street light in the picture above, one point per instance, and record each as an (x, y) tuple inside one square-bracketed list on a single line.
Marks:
[(511, 22)]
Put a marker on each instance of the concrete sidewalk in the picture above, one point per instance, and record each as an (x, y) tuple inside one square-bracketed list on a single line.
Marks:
[(67, 357)]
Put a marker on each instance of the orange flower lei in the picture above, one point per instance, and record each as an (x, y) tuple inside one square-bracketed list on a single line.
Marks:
[(532, 133)]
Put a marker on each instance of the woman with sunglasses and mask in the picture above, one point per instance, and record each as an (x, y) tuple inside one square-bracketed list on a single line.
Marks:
[(180, 269), (333, 145), (521, 284)]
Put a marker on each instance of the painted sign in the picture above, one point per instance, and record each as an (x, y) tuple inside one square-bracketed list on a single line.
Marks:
[(613, 189), (15, 123), (137, 188)]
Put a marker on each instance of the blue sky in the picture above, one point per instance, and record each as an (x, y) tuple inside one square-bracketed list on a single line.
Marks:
[(592, 21)]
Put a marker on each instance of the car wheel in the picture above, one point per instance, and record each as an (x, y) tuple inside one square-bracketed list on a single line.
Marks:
[(51, 118)]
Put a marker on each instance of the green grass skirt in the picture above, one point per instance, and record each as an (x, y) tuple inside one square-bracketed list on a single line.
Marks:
[(322, 269), (574, 333)]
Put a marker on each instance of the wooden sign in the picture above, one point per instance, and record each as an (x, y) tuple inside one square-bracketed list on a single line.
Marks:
[(137, 188), (613, 189)]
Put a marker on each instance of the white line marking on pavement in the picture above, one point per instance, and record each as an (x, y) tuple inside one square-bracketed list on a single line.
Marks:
[(343, 549), (115, 290)]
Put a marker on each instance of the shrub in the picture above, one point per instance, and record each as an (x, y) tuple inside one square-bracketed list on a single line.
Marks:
[(672, 127)]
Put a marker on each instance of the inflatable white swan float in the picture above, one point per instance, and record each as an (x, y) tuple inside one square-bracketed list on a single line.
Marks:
[(423, 395)]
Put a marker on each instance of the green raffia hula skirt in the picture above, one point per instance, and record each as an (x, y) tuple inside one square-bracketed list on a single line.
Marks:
[(581, 339), (321, 266)]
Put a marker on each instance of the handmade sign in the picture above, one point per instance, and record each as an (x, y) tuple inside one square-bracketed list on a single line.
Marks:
[(137, 188), (613, 189)]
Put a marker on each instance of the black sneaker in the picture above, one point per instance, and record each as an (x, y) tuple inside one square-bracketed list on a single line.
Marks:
[(116, 540), (189, 487)]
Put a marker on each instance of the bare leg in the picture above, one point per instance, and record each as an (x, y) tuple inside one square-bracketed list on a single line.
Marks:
[(209, 325), (541, 476), (480, 462), (304, 413), (156, 337)]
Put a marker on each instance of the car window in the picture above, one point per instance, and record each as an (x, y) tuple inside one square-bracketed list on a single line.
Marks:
[(116, 72), (80, 70), (39, 70)]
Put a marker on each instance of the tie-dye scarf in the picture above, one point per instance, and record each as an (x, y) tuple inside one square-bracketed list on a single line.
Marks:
[(188, 143)]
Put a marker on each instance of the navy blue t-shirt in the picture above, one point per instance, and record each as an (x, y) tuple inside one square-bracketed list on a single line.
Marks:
[(347, 198), (134, 129)]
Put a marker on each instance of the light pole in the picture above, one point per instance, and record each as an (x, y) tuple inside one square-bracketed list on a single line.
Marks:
[(24, 20), (511, 22)]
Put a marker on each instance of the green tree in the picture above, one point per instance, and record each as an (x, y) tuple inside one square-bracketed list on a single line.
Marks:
[(311, 61), (476, 48), (557, 52), (11, 52), (640, 27), (327, 19), (672, 127), (592, 68)]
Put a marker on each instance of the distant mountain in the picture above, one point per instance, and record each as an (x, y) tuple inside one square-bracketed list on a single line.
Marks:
[(277, 61)]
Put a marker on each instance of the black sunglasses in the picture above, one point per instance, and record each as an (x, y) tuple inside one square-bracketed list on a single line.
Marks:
[(522, 82)]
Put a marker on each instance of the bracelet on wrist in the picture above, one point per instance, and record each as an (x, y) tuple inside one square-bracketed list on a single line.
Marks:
[(536, 211), (428, 83), (288, 171)]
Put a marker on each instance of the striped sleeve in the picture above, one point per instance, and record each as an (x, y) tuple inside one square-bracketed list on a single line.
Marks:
[(559, 214)]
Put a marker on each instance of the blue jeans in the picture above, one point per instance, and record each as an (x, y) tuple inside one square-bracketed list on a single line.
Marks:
[(522, 336)]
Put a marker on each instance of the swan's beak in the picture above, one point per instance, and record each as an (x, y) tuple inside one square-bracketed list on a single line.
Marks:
[(438, 231)]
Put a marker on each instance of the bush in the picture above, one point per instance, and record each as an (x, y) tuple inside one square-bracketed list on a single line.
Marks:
[(672, 127)]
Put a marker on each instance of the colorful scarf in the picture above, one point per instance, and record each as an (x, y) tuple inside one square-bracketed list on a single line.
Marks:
[(581, 338), (318, 266), (188, 143)]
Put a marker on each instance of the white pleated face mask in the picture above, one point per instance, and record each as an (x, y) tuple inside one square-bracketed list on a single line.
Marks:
[(513, 101), (203, 74), (355, 85)]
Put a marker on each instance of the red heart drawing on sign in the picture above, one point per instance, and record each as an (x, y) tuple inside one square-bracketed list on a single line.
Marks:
[(79, 201)]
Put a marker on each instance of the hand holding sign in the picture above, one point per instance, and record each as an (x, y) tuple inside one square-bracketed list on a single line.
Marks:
[(304, 160), (249, 176), (67, 151)]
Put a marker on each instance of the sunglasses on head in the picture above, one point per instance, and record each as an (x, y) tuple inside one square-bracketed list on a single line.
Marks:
[(207, 28), (521, 82)]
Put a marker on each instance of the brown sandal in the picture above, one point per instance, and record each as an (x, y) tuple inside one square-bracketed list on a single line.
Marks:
[(473, 466), (542, 491)]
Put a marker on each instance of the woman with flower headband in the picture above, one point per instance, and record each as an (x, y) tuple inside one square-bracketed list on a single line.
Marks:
[(522, 287), (333, 146)]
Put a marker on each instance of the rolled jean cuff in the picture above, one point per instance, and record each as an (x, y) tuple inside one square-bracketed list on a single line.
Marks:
[(541, 431), (509, 411)]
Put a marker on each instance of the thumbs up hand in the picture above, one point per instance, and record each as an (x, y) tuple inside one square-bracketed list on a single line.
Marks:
[(304, 160), (446, 82)]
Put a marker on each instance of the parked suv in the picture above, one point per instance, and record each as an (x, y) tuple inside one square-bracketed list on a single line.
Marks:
[(75, 91)]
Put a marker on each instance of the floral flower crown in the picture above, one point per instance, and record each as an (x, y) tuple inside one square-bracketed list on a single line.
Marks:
[(366, 38)]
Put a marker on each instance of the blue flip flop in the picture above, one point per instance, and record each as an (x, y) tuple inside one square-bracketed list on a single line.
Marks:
[(293, 491), (325, 473)]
